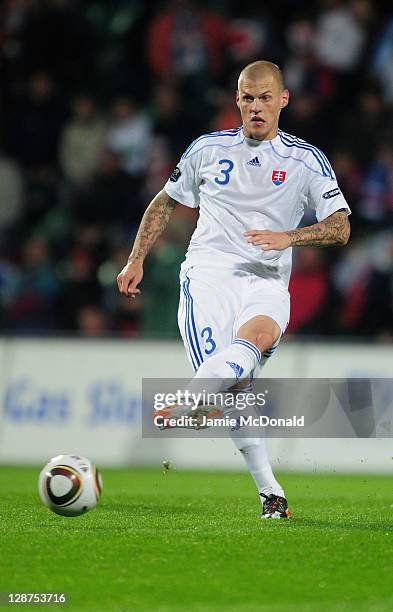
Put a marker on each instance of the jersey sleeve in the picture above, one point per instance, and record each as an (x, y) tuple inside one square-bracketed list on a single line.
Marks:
[(183, 184), (324, 195)]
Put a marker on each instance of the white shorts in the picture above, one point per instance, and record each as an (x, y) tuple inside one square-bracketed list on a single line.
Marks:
[(215, 303)]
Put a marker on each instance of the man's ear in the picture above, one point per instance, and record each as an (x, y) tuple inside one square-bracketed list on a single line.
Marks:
[(284, 98), (237, 99)]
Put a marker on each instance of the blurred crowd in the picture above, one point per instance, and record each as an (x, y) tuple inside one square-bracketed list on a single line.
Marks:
[(99, 99)]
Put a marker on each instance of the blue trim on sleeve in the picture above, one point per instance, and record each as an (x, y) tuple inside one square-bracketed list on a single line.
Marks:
[(232, 132), (303, 144), (237, 144), (299, 159), (292, 141)]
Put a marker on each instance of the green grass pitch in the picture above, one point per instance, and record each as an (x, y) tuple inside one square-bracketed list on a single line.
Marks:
[(181, 541)]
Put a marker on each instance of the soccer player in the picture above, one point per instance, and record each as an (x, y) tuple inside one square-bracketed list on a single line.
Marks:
[(252, 185)]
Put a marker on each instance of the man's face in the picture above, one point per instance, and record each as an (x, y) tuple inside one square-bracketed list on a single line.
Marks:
[(260, 103)]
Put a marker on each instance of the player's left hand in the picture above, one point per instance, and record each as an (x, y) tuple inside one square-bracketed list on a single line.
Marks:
[(269, 241)]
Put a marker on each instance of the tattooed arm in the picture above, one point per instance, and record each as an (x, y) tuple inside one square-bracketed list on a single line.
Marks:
[(153, 223), (332, 231)]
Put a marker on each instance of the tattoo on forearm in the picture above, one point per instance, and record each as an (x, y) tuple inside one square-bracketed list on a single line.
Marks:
[(334, 230), (153, 223)]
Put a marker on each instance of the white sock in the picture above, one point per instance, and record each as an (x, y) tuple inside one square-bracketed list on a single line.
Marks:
[(226, 368), (255, 455)]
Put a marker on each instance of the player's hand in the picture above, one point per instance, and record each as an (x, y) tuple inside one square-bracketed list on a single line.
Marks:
[(129, 278), (269, 241)]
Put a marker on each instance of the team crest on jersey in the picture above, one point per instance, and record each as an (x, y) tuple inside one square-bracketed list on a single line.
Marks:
[(278, 177)]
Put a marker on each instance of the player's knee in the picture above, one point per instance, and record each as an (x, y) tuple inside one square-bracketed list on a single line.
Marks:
[(264, 341)]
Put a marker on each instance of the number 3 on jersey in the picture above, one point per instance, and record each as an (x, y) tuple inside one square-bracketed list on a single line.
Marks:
[(224, 171)]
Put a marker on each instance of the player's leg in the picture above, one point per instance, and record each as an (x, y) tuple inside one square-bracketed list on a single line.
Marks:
[(252, 445), (210, 302), (255, 454), (265, 332), (262, 331), (209, 311), (206, 313), (234, 363), (261, 318)]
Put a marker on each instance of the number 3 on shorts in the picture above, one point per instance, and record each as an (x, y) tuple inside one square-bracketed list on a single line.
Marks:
[(225, 172), (207, 331)]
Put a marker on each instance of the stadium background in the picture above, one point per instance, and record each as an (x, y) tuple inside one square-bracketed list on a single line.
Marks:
[(98, 100)]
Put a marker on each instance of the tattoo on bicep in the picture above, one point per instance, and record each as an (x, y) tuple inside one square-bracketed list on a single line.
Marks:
[(332, 231)]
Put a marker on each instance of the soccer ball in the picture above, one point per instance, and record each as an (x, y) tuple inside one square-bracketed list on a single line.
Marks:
[(70, 485)]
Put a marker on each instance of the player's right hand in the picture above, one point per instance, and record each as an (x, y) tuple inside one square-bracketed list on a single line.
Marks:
[(129, 278)]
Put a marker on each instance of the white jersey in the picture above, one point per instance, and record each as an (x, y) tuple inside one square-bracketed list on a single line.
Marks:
[(243, 184)]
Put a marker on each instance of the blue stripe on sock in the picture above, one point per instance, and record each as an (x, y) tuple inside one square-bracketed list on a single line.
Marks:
[(272, 349), (250, 346)]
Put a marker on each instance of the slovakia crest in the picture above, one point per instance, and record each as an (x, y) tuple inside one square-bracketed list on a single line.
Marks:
[(278, 177)]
